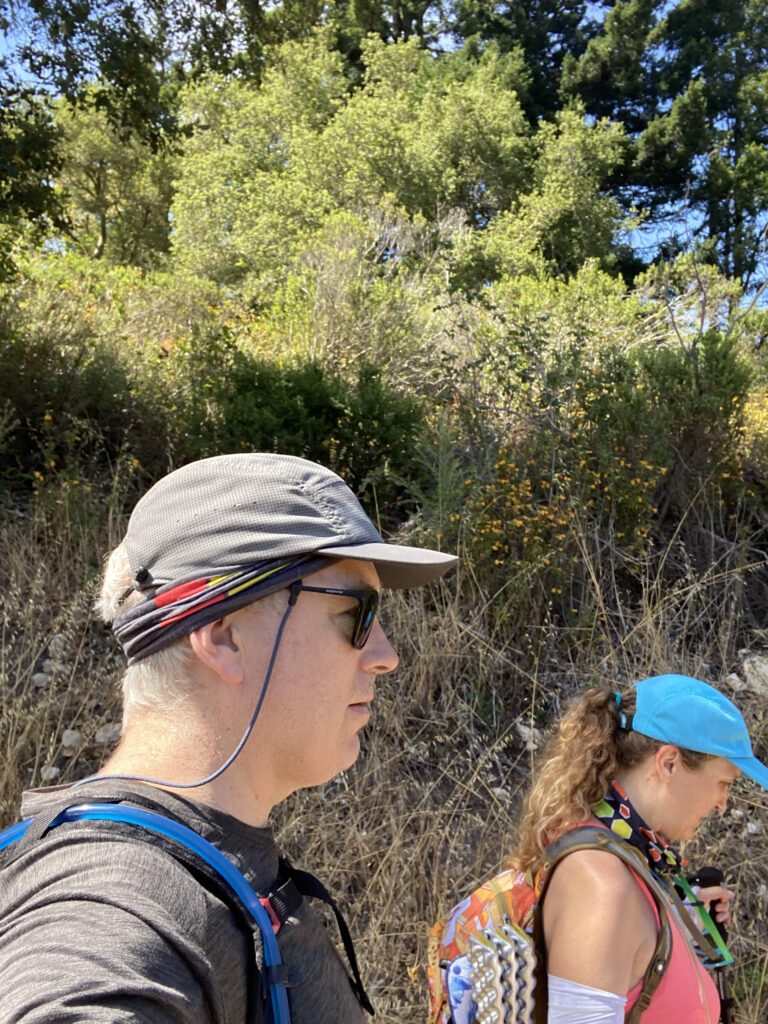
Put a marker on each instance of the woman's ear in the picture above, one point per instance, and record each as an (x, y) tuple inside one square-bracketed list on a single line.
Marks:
[(667, 761), (217, 647)]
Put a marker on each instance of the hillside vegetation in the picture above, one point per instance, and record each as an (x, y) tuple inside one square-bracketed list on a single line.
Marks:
[(505, 274)]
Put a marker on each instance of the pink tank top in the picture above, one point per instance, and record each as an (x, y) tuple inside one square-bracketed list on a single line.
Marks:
[(686, 993)]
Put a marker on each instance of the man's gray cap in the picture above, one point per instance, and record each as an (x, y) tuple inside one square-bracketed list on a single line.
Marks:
[(228, 511)]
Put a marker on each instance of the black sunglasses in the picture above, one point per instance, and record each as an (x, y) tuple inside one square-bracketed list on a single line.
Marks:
[(368, 605)]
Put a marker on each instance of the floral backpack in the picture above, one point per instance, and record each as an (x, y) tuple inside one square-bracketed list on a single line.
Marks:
[(484, 958)]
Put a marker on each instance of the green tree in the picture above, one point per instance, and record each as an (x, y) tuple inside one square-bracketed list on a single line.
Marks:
[(688, 82), (612, 76), (29, 162), (107, 53), (712, 71), (431, 139), (390, 20), (546, 33), (425, 144), (116, 192), (241, 200), (104, 56), (564, 218), (125, 61), (413, 139)]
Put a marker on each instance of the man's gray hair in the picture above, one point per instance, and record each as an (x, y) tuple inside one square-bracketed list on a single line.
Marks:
[(159, 682)]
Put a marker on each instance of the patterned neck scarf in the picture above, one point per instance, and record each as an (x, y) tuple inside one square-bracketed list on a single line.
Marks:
[(616, 811)]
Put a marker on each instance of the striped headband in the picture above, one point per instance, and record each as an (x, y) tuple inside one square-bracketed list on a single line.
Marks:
[(179, 607)]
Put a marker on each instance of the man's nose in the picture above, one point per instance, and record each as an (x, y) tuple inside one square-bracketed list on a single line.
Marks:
[(378, 654)]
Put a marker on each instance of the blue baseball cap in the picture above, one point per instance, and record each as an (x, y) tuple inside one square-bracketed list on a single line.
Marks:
[(694, 715)]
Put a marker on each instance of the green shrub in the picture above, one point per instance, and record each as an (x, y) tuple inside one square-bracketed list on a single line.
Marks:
[(226, 399), (696, 393), (68, 399), (588, 450), (101, 367)]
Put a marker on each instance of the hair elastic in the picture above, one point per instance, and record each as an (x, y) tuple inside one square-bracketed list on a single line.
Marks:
[(625, 721)]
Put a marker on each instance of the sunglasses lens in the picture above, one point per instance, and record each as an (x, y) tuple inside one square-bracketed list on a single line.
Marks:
[(366, 613)]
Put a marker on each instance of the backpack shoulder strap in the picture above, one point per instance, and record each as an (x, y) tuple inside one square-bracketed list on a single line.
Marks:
[(305, 884), (190, 849), (591, 837)]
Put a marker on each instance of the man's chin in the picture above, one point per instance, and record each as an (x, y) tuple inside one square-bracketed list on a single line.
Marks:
[(354, 752), (351, 754)]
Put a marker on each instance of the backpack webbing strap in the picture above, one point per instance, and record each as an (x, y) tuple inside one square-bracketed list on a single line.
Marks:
[(661, 891), (305, 884), (590, 837), (35, 831)]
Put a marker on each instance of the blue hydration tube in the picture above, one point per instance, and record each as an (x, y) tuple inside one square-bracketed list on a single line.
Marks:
[(209, 853)]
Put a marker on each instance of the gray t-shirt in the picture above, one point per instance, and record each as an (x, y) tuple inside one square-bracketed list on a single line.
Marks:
[(111, 929)]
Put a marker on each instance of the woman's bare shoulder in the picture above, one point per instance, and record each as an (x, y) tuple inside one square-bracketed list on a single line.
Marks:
[(593, 870), (598, 927)]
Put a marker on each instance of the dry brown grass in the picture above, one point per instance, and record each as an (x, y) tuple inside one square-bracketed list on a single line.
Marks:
[(431, 806), (50, 562)]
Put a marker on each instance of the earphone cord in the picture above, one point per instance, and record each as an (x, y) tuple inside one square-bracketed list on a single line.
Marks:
[(238, 748)]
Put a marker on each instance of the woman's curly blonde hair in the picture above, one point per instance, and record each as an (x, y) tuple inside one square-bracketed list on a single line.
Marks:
[(578, 765)]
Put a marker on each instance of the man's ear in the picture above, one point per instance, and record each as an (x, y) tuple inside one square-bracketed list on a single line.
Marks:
[(667, 761), (217, 647)]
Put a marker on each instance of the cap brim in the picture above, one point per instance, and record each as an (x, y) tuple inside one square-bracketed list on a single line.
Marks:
[(753, 768), (398, 566)]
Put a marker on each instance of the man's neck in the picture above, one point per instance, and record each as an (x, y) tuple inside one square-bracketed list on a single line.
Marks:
[(163, 756)]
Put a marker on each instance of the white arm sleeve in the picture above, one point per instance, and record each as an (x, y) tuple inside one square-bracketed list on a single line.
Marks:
[(571, 1003)]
